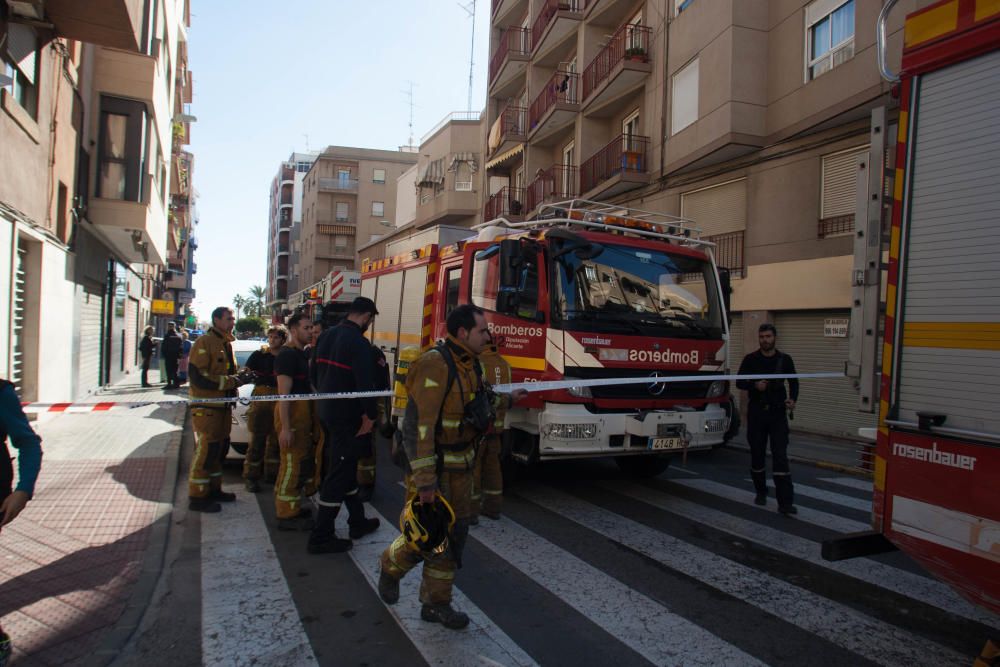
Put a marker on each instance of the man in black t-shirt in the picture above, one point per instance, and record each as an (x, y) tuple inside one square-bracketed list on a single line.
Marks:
[(298, 429), (766, 405)]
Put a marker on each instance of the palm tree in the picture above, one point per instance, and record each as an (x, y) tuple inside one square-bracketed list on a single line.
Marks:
[(239, 303), (256, 301)]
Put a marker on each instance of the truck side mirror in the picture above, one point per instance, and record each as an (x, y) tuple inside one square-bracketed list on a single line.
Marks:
[(726, 282)]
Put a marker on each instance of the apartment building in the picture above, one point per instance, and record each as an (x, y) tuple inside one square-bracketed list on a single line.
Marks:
[(349, 197), (746, 116), (446, 187), (93, 122), (284, 229)]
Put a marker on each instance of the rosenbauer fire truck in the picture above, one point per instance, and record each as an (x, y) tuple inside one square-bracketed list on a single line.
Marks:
[(586, 290), (937, 453), (333, 294)]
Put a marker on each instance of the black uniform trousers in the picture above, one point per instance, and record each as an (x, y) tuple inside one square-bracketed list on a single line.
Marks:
[(768, 424), (146, 361), (341, 451), (170, 365)]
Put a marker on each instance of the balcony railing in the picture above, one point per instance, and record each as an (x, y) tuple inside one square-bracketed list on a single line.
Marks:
[(729, 252), (557, 183), (507, 202), (548, 12), (630, 41), (835, 226), (512, 122), (627, 153), (514, 41), (339, 184), (562, 87)]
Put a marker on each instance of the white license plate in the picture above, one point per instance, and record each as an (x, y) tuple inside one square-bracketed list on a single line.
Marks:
[(665, 443)]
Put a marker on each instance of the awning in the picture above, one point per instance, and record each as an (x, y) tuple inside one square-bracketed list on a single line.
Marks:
[(468, 158), (431, 174), (504, 157)]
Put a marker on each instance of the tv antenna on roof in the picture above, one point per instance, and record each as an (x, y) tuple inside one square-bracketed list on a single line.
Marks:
[(409, 95), (470, 9)]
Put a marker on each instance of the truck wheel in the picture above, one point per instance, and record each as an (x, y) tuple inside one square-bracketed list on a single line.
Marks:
[(734, 422), (643, 466), (525, 445)]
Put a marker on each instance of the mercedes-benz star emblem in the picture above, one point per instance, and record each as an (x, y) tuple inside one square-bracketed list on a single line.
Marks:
[(656, 388)]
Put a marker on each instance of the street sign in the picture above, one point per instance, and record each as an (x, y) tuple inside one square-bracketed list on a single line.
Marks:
[(185, 297), (163, 307)]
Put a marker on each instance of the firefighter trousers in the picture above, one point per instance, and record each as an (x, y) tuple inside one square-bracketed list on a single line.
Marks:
[(439, 569), (770, 426), (366, 463), (297, 471), (211, 430), (263, 437), (487, 479)]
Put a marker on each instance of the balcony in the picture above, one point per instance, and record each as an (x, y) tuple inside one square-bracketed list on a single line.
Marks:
[(507, 12), (555, 108), (620, 67), (338, 185), (620, 166), (555, 24), (508, 130), (608, 13), (137, 230), (557, 183), (331, 218), (729, 252), (283, 249), (450, 207), (110, 23), (128, 75), (509, 62), (508, 203)]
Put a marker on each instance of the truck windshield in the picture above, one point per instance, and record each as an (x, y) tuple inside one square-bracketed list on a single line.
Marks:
[(636, 290)]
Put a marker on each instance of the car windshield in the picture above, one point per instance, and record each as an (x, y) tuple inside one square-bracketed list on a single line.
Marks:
[(242, 356), (637, 290)]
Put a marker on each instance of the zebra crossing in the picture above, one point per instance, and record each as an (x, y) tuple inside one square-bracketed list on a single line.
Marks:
[(680, 570)]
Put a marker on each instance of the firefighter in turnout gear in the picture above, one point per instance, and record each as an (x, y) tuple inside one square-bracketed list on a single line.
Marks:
[(260, 415), (297, 424), (448, 411), (212, 371), (487, 488), (366, 463)]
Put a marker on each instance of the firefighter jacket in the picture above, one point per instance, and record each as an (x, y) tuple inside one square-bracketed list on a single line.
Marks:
[(426, 384), (496, 371), (212, 367)]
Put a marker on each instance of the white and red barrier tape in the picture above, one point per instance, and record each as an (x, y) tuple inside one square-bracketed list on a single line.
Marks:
[(105, 406)]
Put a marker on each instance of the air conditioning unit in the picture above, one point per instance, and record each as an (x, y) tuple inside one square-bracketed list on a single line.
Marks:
[(463, 186)]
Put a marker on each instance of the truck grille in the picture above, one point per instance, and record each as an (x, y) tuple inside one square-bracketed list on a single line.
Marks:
[(676, 390)]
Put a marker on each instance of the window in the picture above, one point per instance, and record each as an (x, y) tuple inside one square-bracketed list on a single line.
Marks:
[(378, 176), (343, 212), (302, 167), (340, 242), (681, 5), (630, 126), (684, 97), (829, 35), (120, 146), (454, 284), (344, 177), (378, 209), (486, 282), (19, 58)]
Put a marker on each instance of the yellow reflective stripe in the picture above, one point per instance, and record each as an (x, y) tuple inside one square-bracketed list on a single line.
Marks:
[(289, 499), (450, 423), (444, 575), (458, 458), (422, 429), (366, 467), (222, 382), (492, 493), (199, 480), (425, 462), (428, 383), (215, 474), (288, 476)]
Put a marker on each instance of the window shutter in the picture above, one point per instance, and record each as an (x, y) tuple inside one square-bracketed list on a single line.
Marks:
[(840, 184), (684, 98), (719, 209)]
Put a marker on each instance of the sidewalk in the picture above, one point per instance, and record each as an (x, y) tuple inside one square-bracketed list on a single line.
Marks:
[(78, 566), (833, 453)]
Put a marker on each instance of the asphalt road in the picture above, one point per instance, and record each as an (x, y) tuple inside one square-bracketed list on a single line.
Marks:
[(587, 567)]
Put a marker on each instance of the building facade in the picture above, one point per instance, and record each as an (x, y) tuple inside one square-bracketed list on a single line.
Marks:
[(284, 229), (349, 197), (92, 127), (746, 116)]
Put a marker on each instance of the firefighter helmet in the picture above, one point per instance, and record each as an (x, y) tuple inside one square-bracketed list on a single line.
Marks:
[(426, 527)]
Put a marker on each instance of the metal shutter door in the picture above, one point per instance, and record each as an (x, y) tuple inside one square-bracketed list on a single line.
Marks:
[(411, 319), (18, 314), (952, 297), (91, 309), (131, 351), (386, 326), (825, 406), (719, 209)]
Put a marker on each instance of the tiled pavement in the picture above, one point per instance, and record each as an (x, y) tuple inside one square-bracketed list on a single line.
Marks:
[(77, 566)]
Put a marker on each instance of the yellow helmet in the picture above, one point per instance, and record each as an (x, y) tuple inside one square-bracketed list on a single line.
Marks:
[(426, 527)]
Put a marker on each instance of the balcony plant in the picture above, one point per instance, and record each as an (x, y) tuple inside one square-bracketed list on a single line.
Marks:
[(636, 53)]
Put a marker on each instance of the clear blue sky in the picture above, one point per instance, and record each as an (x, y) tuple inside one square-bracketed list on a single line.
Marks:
[(267, 74)]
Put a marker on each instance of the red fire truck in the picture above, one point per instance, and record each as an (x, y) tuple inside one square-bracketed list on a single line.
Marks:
[(937, 454), (332, 294), (584, 291)]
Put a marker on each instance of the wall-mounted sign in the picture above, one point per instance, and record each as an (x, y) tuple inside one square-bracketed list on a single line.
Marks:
[(163, 307), (836, 327)]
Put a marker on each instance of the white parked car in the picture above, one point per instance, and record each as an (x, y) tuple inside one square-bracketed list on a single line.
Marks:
[(239, 435)]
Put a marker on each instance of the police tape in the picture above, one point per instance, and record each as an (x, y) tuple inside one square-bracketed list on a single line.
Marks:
[(551, 385)]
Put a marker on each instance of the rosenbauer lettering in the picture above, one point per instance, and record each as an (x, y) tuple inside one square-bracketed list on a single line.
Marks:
[(665, 356)]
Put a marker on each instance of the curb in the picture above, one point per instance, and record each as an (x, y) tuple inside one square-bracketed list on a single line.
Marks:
[(125, 627), (817, 463)]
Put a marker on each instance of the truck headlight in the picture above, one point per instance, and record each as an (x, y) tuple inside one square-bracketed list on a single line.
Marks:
[(716, 389), (570, 431), (580, 392)]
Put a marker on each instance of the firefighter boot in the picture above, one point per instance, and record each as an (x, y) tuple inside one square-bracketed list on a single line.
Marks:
[(388, 588), (444, 614), (760, 486)]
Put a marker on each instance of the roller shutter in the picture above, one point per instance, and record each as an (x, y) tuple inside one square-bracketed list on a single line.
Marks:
[(91, 308), (18, 314), (829, 407), (386, 326), (719, 209), (131, 351), (950, 357), (411, 318)]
